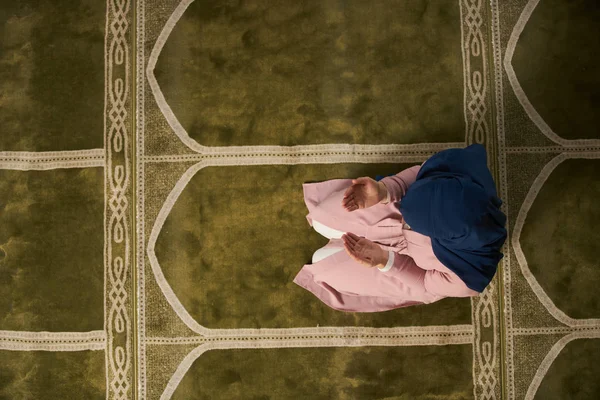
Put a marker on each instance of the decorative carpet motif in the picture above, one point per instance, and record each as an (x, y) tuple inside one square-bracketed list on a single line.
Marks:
[(149, 238), (547, 149)]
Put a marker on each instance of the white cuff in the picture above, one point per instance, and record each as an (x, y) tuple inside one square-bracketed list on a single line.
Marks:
[(389, 264)]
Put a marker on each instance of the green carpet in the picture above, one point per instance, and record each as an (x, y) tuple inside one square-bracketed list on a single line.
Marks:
[(152, 157)]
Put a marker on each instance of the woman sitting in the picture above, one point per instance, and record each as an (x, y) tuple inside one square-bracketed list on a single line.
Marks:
[(429, 232)]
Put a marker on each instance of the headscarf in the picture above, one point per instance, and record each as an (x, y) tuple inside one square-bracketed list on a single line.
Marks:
[(454, 202)]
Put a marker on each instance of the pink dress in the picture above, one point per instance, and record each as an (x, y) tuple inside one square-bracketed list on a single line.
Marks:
[(416, 276)]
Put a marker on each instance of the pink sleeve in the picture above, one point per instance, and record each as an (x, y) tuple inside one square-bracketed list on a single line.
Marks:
[(432, 281), (398, 184)]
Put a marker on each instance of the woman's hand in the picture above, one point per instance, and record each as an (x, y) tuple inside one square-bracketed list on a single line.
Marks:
[(364, 193), (364, 251)]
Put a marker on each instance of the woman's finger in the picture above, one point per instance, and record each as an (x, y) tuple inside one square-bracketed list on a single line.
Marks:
[(347, 243), (348, 200), (351, 238), (350, 191), (351, 206), (354, 237)]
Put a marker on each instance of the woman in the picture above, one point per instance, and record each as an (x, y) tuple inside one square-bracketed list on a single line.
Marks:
[(427, 233)]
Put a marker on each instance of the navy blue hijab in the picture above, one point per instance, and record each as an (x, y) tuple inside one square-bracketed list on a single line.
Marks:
[(454, 202)]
